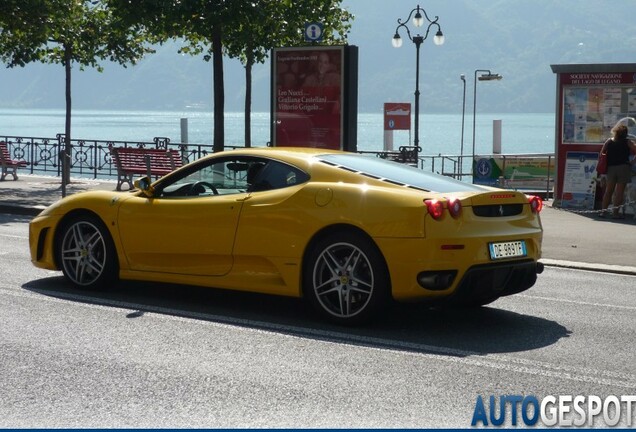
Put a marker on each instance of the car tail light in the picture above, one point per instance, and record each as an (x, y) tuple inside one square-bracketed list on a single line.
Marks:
[(536, 203), (435, 208), (454, 207)]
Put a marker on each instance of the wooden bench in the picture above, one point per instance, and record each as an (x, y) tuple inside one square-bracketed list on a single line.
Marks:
[(8, 163), (132, 161)]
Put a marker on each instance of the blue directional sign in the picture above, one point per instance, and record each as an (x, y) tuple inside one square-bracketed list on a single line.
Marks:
[(313, 32)]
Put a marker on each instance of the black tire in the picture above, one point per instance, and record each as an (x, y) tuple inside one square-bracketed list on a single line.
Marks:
[(86, 254), (345, 278)]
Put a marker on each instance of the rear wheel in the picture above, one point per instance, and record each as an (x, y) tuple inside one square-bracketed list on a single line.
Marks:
[(346, 279), (86, 253)]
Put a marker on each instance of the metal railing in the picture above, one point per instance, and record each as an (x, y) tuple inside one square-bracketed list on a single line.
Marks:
[(92, 159), (89, 158), (436, 163)]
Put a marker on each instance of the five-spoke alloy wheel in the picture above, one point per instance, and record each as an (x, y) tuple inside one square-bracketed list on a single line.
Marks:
[(86, 253), (346, 279)]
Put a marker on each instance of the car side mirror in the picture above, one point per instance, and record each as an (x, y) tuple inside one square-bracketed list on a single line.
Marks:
[(143, 184)]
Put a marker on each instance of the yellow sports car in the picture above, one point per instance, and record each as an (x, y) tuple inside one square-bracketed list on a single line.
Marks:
[(347, 232)]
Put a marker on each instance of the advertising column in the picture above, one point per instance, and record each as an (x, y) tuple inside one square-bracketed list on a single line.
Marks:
[(308, 97), (591, 100)]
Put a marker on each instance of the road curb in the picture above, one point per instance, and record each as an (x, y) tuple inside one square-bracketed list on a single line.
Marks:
[(607, 268), (16, 209)]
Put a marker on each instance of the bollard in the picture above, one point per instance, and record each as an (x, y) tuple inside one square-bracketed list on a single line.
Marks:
[(184, 130), (496, 136)]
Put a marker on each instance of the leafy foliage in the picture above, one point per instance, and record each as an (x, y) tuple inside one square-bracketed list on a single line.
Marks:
[(56, 31), (84, 32), (247, 30), (66, 32)]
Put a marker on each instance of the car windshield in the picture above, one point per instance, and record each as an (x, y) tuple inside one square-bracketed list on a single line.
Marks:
[(397, 173)]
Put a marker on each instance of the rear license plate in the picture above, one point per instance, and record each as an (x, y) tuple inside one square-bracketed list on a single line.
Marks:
[(510, 249)]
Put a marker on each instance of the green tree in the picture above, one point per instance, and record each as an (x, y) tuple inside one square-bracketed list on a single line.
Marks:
[(240, 29), (206, 24), (66, 32), (200, 23)]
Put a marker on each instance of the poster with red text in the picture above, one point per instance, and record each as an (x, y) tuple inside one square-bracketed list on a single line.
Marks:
[(308, 97)]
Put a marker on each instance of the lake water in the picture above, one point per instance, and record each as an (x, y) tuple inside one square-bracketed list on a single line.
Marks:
[(439, 133)]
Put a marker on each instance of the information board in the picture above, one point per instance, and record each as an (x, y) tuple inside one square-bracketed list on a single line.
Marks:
[(579, 186), (591, 100)]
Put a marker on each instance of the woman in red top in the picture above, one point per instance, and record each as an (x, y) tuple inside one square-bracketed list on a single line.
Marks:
[(619, 171)]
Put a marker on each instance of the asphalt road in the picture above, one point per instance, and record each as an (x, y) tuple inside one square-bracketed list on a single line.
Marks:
[(148, 355)]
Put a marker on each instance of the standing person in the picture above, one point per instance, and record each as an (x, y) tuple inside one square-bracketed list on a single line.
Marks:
[(619, 172)]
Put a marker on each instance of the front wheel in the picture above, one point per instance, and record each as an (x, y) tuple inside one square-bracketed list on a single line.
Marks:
[(345, 278), (86, 253)]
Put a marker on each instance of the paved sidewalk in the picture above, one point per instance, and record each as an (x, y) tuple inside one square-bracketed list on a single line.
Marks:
[(30, 194), (576, 240)]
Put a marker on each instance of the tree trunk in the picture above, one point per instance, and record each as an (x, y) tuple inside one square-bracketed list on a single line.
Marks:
[(66, 155), (248, 100), (219, 95)]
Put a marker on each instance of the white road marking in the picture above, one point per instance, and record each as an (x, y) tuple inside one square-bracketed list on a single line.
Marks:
[(14, 236), (432, 352), (578, 302)]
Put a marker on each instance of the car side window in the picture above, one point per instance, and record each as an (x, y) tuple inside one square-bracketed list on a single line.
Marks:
[(277, 175), (231, 175), (219, 177)]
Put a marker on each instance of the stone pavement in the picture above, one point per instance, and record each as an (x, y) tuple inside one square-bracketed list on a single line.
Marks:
[(575, 240)]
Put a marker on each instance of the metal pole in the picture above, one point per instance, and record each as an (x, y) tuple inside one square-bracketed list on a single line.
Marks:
[(488, 77), (472, 161), (461, 151), (418, 41), (418, 20)]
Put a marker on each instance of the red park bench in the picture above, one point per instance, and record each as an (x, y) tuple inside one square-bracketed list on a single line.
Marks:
[(8, 163), (132, 161)]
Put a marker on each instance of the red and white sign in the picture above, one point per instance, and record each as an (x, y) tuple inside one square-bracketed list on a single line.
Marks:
[(397, 116)]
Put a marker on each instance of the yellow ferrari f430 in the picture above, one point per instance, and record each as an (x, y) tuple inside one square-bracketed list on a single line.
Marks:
[(347, 232)]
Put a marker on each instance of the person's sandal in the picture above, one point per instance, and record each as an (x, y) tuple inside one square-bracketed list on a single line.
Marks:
[(603, 214)]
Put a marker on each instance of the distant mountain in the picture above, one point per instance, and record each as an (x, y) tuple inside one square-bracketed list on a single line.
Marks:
[(515, 38)]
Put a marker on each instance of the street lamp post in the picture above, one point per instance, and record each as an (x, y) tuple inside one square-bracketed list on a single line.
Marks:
[(486, 76), (461, 148), (418, 21)]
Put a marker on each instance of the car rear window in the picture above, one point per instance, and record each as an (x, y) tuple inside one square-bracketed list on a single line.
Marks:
[(396, 173)]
